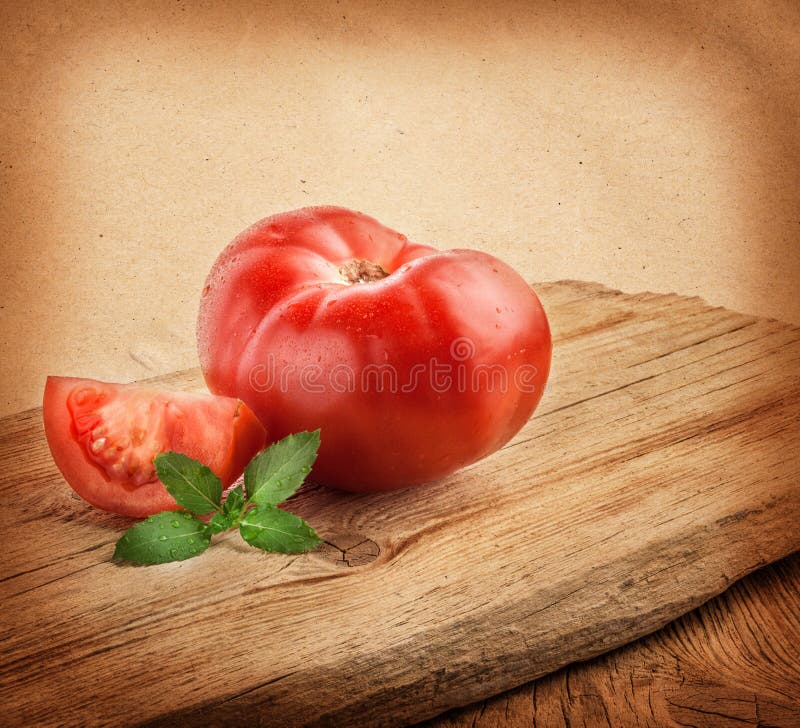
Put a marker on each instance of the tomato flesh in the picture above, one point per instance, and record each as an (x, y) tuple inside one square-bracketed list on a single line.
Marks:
[(411, 373), (104, 438)]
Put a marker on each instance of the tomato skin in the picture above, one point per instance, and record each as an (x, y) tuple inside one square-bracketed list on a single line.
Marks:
[(219, 431), (278, 325)]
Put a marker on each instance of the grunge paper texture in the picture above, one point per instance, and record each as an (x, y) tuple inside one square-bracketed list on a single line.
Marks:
[(647, 146)]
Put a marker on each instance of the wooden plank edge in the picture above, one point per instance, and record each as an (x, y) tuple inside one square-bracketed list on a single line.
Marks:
[(513, 654)]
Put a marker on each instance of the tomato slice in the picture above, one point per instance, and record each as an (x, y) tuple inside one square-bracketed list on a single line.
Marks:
[(104, 437)]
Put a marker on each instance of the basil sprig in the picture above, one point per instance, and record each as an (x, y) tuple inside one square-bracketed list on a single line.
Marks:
[(271, 477)]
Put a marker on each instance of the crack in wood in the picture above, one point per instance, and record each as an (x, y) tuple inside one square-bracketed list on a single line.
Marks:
[(696, 343), (346, 553)]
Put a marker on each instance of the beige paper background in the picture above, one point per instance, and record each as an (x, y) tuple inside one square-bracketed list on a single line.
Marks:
[(644, 145)]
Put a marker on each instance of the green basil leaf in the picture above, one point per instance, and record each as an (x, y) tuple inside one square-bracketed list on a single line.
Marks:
[(166, 536), (233, 503), (220, 522), (272, 529), (192, 484), (231, 510), (277, 472)]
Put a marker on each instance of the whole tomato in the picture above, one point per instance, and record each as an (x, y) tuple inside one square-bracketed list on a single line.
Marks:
[(414, 362)]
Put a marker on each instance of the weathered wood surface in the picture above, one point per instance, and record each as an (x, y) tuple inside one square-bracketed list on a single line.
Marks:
[(735, 661), (661, 467)]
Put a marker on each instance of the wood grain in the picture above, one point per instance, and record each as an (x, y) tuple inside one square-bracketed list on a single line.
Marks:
[(733, 661), (661, 467)]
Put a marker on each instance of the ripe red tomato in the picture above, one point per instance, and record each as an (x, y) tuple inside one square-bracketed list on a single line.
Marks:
[(414, 362), (104, 437)]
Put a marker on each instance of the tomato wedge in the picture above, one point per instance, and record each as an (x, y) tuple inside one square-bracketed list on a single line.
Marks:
[(104, 437)]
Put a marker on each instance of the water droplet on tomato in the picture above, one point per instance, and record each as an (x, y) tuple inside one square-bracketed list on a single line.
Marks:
[(189, 540), (162, 537), (173, 553), (176, 523)]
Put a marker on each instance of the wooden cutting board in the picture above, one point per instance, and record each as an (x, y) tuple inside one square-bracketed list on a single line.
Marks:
[(661, 466)]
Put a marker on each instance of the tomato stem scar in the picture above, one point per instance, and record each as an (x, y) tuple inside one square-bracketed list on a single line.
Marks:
[(361, 271)]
